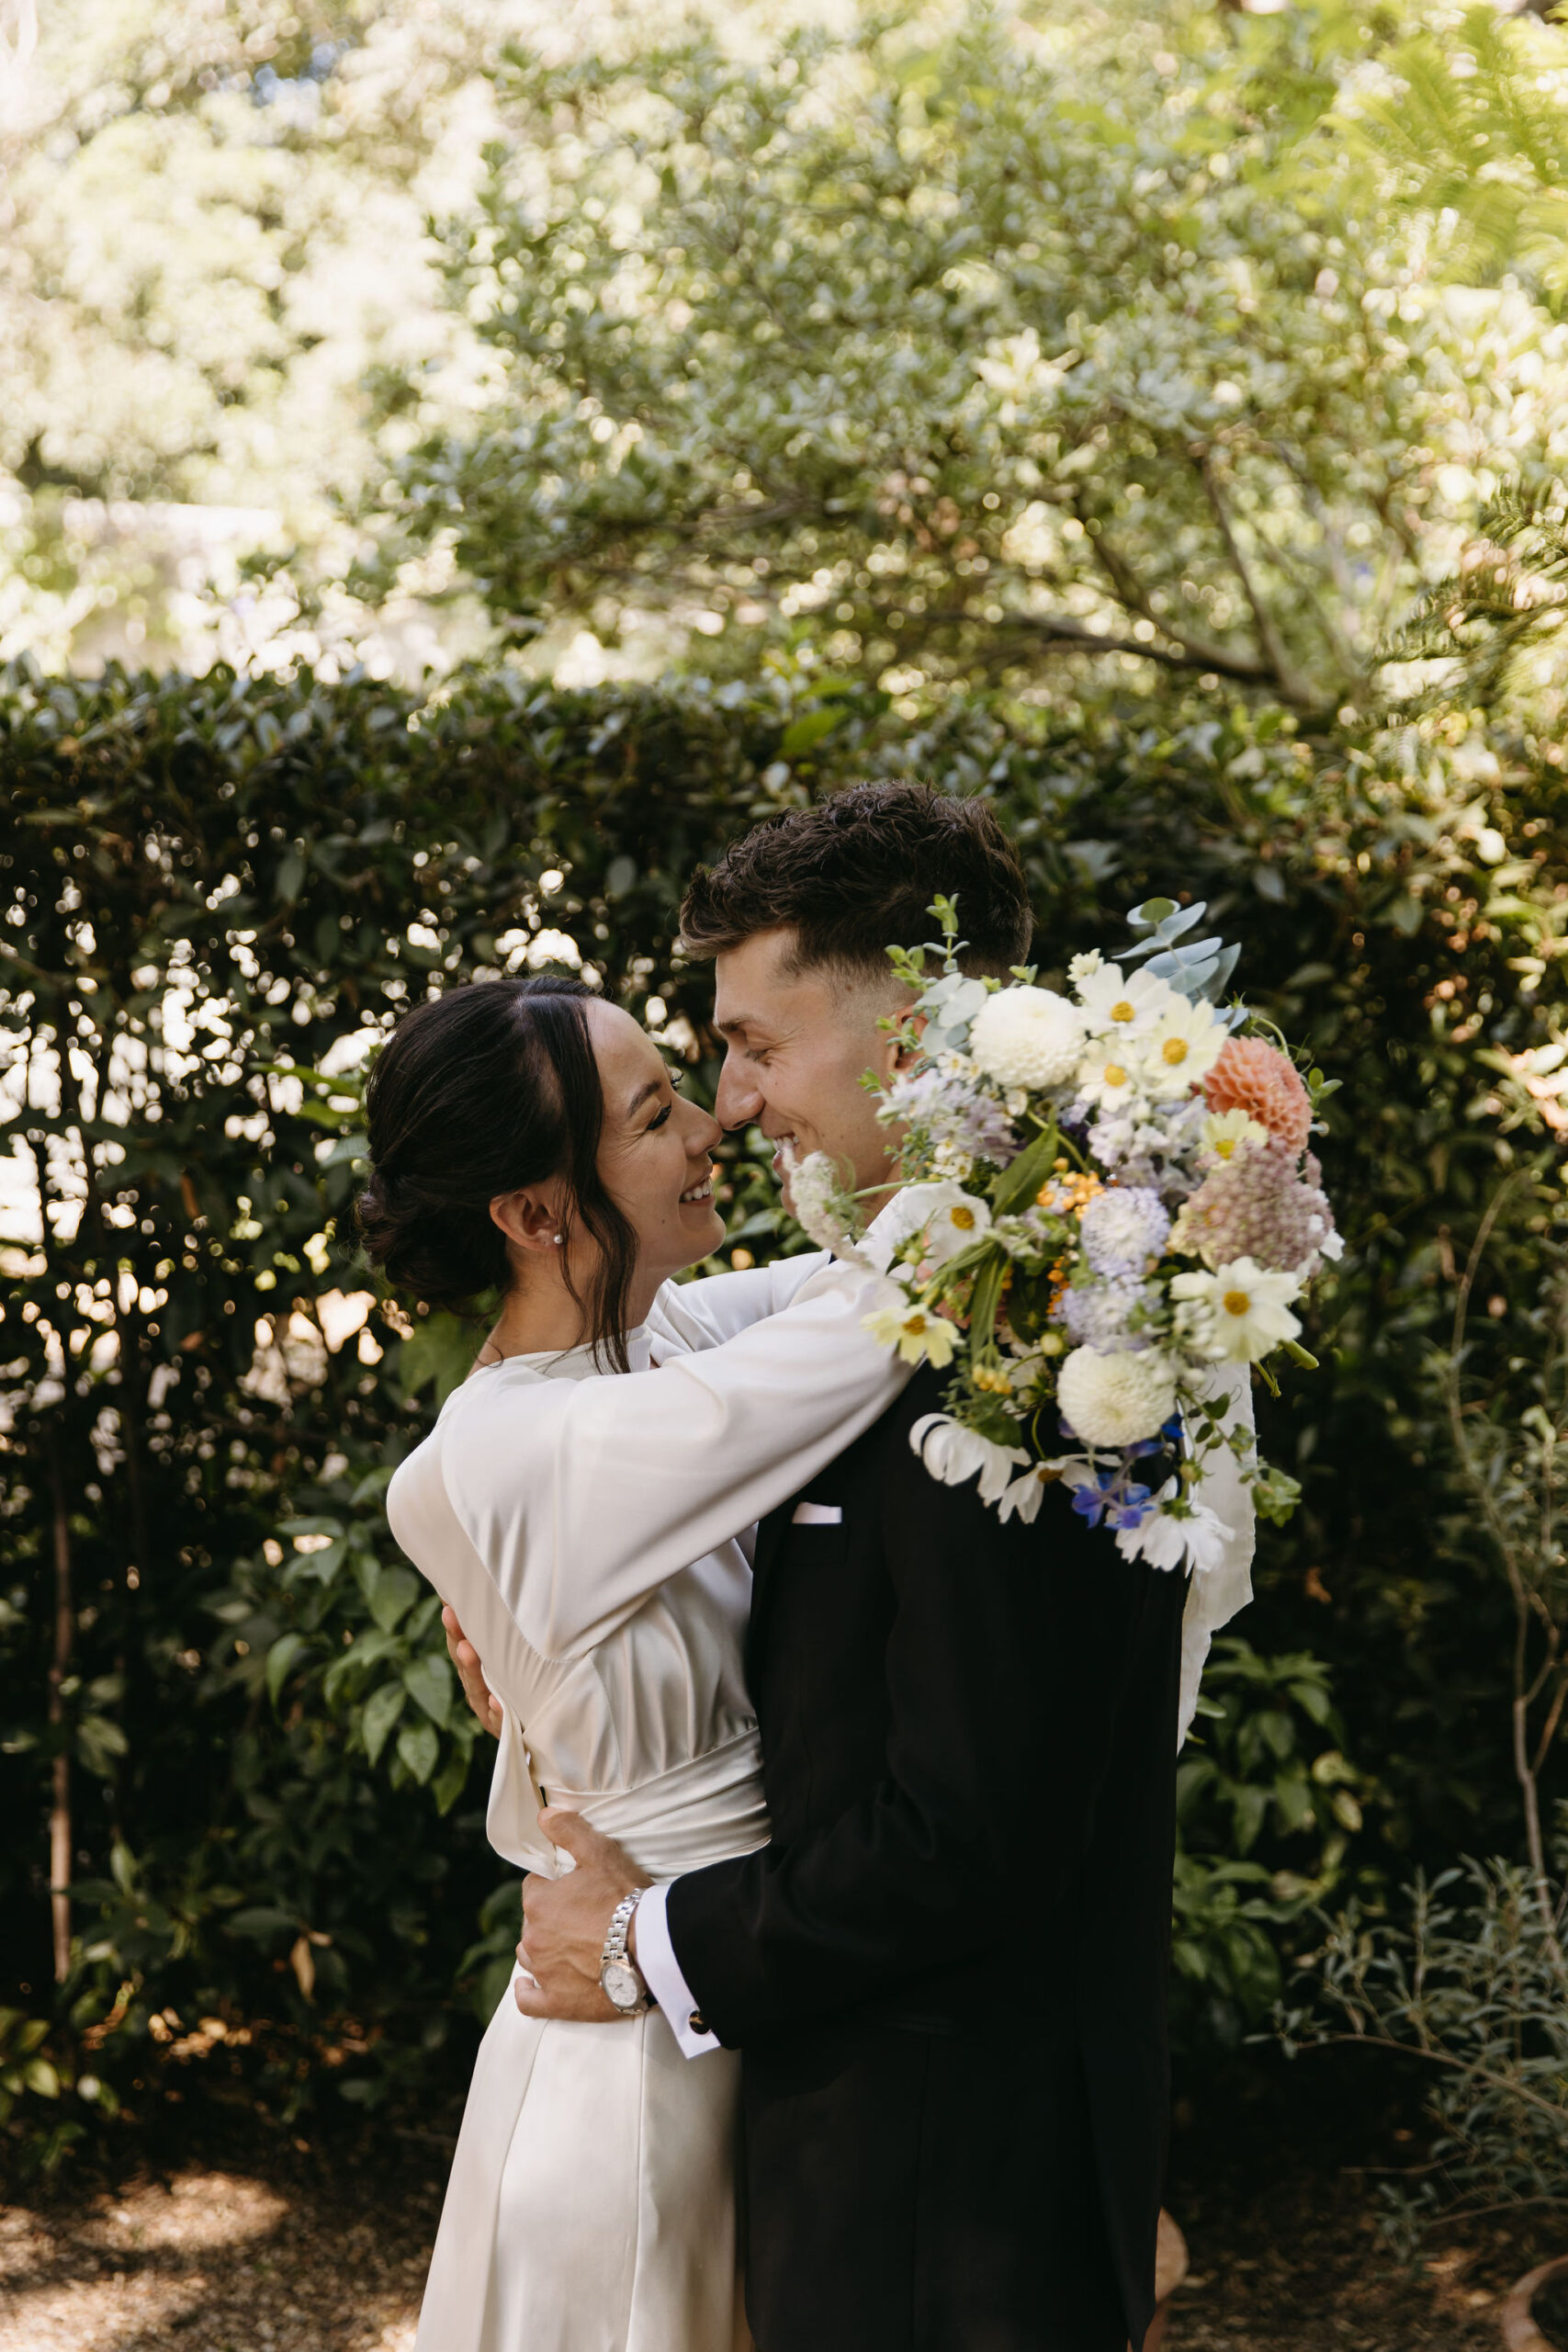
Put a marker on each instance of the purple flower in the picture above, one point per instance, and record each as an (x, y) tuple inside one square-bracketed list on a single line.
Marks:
[(1122, 1228), (1097, 1315)]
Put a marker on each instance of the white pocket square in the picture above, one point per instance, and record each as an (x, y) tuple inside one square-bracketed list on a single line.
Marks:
[(817, 1515)]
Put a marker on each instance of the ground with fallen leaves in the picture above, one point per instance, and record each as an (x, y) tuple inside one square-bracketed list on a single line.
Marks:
[(272, 2247)]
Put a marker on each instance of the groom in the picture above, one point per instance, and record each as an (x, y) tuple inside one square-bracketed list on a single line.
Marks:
[(945, 1972)]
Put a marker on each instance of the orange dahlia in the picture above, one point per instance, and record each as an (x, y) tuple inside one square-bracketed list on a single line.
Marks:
[(1254, 1077)]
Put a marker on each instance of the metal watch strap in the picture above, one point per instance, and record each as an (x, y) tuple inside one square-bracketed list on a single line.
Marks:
[(615, 1941)]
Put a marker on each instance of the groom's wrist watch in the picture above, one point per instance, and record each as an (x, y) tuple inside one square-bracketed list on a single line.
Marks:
[(618, 1971)]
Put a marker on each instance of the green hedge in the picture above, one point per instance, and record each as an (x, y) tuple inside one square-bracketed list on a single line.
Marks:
[(208, 884)]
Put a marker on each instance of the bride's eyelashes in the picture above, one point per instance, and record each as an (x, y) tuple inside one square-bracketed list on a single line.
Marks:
[(660, 1118)]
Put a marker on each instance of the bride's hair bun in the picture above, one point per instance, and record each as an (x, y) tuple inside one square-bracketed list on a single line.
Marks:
[(442, 1252), (476, 1094)]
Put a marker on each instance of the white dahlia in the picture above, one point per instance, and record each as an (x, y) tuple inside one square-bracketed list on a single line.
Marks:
[(1115, 1400), (1026, 1036)]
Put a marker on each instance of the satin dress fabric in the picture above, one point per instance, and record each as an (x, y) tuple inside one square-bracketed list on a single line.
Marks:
[(591, 2206)]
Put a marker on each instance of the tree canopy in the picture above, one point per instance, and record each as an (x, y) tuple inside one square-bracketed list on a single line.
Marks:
[(963, 349)]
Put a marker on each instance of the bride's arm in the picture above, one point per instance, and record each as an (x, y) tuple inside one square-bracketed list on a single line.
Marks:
[(583, 1497), (687, 1317)]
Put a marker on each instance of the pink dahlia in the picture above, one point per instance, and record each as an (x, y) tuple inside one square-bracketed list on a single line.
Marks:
[(1254, 1077), (1256, 1206)]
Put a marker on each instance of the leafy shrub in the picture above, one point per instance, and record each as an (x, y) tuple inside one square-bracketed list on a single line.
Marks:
[(1477, 1988), (220, 893), (1265, 1769)]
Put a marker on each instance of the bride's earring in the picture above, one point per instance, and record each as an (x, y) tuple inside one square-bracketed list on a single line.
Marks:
[(558, 1239)]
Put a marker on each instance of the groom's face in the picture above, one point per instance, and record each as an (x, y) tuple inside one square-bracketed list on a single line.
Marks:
[(797, 1044)]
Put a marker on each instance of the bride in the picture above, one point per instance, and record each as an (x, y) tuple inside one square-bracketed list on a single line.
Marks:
[(584, 1504)]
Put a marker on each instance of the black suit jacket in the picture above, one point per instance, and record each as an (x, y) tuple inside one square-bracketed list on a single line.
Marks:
[(969, 1746)]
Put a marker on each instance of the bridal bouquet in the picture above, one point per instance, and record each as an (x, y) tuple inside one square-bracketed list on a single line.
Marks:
[(1109, 1211)]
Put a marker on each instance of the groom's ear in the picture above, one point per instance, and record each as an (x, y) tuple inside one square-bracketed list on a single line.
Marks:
[(906, 1056)]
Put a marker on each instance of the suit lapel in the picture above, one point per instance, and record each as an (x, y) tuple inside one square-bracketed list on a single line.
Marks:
[(770, 1535)]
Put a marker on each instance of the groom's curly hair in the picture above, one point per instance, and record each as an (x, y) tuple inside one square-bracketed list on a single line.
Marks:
[(855, 875)]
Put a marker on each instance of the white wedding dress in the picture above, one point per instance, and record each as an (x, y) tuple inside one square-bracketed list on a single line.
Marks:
[(584, 1528)]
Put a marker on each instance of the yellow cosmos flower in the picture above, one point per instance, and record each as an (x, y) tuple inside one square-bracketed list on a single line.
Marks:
[(918, 1334), (1223, 1131)]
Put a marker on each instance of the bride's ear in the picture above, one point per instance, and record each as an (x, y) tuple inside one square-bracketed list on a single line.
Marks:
[(532, 1219)]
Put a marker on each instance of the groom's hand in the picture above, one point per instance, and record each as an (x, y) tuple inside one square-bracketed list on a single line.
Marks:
[(471, 1674), (566, 1921)]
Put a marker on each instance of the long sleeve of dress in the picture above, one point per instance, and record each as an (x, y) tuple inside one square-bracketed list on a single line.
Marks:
[(584, 1495), (686, 1317)]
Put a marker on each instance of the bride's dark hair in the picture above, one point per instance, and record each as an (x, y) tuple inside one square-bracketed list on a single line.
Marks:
[(478, 1093)]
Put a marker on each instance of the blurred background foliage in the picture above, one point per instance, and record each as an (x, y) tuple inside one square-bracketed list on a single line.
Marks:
[(1073, 406)]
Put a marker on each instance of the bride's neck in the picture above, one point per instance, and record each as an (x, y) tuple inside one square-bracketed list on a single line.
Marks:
[(540, 1316)]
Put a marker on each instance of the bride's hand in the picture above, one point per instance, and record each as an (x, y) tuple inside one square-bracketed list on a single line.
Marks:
[(471, 1674)]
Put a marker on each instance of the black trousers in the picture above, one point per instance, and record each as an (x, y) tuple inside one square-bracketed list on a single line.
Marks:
[(921, 2192)]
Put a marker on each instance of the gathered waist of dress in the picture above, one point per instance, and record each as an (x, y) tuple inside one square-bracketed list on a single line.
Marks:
[(704, 1810)]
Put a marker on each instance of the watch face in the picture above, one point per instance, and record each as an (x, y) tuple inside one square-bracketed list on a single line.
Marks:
[(621, 1982)]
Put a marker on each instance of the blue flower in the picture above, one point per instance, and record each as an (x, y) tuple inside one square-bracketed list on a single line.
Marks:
[(1129, 1508), (1114, 1495), (1089, 1501)]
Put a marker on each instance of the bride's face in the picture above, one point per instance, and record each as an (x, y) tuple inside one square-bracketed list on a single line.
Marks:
[(654, 1149)]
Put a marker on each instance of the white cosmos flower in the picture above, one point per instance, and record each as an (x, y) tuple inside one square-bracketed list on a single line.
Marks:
[(1182, 1047), (1124, 1004), (1027, 1037), (951, 1218), (1237, 1313), (953, 1455), (1025, 1496), (1116, 1400), (1197, 1540), (1109, 1075)]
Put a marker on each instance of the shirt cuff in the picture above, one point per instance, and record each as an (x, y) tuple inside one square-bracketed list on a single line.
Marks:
[(661, 1974)]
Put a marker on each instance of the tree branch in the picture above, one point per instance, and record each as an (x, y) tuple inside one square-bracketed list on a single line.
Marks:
[(1136, 597), (1054, 629), (1291, 685)]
